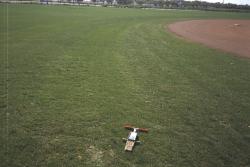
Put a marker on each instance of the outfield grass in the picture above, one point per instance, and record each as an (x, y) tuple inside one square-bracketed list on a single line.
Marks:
[(75, 75)]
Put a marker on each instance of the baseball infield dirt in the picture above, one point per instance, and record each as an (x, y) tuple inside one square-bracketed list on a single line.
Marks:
[(228, 35)]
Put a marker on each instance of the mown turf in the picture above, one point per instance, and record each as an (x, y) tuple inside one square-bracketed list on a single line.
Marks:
[(75, 75)]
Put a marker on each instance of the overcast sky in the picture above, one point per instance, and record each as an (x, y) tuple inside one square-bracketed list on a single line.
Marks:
[(240, 2)]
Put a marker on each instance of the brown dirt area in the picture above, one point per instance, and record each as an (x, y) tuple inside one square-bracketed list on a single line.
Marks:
[(228, 35)]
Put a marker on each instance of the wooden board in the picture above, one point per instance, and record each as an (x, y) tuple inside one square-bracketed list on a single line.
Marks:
[(129, 145)]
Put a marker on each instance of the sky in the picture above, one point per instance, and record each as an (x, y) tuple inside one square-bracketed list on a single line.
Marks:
[(239, 2)]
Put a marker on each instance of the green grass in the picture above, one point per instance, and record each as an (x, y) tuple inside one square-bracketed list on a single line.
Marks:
[(76, 75)]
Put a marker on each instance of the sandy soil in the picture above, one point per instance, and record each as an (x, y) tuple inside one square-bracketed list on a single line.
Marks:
[(228, 35)]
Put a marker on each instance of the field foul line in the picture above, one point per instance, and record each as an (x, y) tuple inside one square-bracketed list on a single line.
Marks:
[(7, 80)]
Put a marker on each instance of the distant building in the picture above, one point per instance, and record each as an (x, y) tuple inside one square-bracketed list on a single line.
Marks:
[(179, 2), (65, 1), (114, 2)]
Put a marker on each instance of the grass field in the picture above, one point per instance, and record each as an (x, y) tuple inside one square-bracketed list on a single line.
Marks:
[(71, 77)]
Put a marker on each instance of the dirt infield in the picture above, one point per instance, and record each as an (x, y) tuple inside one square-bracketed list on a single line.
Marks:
[(228, 35)]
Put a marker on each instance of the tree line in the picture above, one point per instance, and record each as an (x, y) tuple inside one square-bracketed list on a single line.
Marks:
[(181, 4), (165, 4)]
